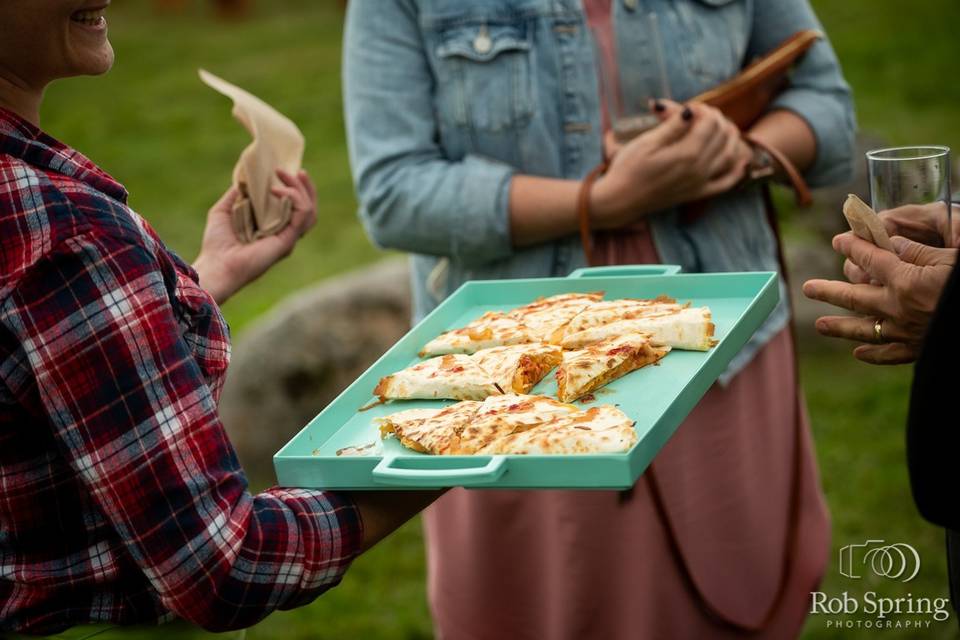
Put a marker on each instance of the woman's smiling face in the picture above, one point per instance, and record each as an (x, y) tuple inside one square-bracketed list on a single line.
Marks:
[(42, 40)]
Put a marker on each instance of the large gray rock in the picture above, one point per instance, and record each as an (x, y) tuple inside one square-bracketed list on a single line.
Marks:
[(299, 357)]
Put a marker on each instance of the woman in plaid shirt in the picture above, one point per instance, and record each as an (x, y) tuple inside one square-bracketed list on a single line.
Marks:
[(121, 498)]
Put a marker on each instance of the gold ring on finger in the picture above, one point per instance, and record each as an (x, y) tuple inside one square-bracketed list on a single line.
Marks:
[(878, 330)]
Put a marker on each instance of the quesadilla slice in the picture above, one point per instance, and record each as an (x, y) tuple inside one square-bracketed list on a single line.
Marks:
[(600, 429), (608, 311), (512, 424), (600, 363), (451, 377), (435, 431), (503, 415), (518, 368), (691, 329), (492, 329), (546, 315)]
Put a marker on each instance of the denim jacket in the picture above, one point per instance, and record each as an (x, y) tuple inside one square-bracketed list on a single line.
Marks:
[(446, 99)]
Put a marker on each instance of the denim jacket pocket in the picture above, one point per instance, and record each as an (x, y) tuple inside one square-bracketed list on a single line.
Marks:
[(719, 29), (483, 75)]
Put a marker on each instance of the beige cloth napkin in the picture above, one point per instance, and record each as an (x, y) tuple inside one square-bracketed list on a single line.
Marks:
[(277, 144)]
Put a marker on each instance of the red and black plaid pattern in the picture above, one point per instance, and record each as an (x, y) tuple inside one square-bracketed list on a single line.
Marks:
[(121, 498)]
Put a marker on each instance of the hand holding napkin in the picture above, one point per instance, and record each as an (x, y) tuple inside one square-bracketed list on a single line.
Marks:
[(277, 144)]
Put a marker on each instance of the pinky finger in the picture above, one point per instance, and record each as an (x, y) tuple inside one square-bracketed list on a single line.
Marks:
[(888, 354), (308, 184), (294, 195)]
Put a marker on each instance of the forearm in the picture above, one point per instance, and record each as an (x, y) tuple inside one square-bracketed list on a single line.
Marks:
[(383, 512), (790, 134), (542, 209), (213, 279)]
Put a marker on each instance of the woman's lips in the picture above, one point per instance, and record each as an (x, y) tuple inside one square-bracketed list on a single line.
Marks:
[(92, 18)]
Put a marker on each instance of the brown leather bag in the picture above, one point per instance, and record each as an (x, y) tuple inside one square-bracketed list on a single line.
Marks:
[(743, 99), (746, 96)]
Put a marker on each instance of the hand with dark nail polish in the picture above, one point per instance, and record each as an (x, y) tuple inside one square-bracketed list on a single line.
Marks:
[(687, 114)]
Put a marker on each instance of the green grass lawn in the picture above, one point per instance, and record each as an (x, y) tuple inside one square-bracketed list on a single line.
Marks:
[(173, 143)]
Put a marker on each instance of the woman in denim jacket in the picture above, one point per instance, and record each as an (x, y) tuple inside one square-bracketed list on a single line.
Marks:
[(471, 125)]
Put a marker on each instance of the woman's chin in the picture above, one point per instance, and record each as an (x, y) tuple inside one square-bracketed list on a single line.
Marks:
[(89, 48), (104, 64), (93, 62)]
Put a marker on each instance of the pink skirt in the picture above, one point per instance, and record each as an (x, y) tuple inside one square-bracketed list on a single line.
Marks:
[(740, 539)]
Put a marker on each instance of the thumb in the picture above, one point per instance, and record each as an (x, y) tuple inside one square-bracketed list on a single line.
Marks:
[(921, 254), (671, 129), (226, 201)]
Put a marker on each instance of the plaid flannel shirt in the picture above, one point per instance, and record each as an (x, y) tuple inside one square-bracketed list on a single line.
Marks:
[(121, 498)]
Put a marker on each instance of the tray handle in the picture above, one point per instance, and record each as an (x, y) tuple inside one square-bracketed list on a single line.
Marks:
[(626, 270), (406, 472)]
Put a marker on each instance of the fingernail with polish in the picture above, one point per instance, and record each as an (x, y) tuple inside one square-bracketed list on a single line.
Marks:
[(687, 114), (659, 107)]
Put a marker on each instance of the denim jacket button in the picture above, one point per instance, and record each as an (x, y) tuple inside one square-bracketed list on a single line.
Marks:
[(631, 5), (482, 43)]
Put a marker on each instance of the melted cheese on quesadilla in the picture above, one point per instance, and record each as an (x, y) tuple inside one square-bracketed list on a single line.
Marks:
[(546, 315), (689, 328), (518, 368), (599, 364), (434, 431), (492, 329), (452, 377), (512, 424), (607, 311), (601, 429)]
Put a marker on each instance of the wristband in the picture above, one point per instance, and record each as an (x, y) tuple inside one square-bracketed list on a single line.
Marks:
[(583, 210)]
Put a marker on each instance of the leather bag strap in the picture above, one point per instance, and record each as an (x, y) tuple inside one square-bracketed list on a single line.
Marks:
[(583, 210), (793, 514), (800, 187)]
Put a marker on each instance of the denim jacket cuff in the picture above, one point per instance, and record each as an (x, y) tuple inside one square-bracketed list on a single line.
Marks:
[(831, 128), (482, 233)]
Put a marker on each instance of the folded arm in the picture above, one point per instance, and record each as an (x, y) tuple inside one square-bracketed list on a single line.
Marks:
[(476, 209), (412, 198)]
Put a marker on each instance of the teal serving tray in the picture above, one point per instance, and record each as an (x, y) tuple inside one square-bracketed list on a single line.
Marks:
[(658, 398)]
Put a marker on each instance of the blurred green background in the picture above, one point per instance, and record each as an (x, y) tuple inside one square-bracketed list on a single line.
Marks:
[(171, 141)]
